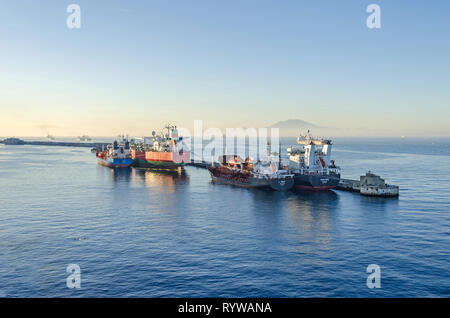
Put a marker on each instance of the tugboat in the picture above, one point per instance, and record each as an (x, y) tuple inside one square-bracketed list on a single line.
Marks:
[(116, 155), (311, 164), (166, 151), (248, 174)]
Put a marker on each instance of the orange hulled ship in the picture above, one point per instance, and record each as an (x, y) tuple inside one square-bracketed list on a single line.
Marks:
[(166, 151)]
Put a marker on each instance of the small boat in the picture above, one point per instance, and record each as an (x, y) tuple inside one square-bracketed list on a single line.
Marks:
[(116, 155), (249, 174)]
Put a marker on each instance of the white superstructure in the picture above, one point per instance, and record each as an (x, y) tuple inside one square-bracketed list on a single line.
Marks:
[(167, 140), (312, 156)]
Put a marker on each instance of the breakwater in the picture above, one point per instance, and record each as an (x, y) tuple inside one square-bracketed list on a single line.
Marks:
[(17, 141)]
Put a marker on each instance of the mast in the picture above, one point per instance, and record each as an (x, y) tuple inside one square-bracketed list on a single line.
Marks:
[(279, 156)]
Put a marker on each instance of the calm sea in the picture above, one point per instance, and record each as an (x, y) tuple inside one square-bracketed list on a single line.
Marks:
[(151, 234)]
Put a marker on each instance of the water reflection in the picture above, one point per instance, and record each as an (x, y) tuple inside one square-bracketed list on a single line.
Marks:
[(317, 196), (116, 175), (305, 209), (313, 213), (271, 199), (378, 204), (160, 179), (120, 175), (148, 178)]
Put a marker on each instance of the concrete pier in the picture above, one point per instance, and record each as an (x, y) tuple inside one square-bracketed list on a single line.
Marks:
[(202, 164), (349, 185), (369, 185)]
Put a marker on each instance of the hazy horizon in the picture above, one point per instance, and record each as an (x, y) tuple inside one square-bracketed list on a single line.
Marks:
[(134, 66)]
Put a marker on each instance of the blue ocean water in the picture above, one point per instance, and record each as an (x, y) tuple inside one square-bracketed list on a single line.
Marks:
[(138, 233)]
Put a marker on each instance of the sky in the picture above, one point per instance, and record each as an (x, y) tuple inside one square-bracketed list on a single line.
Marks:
[(134, 66)]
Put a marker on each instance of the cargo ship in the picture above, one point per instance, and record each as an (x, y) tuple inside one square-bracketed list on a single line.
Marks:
[(246, 173), (166, 150), (311, 164), (84, 138), (116, 155)]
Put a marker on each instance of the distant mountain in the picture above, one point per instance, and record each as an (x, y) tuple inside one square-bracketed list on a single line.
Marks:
[(293, 123), (293, 127)]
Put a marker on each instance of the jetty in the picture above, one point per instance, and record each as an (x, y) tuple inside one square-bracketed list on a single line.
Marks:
[(202, 164), (349, 185), (17, 142), (369, 185)]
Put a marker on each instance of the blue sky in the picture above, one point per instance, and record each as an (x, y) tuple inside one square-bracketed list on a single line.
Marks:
[(134, 65)]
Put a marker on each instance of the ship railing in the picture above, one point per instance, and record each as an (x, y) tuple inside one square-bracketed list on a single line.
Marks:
[(313, 172)]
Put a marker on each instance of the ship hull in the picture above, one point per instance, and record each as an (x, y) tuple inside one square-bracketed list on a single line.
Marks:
[(165, 165), (281, 184), (316, 182), (115, 163), (249, 183), (159, 160), (256, 183)]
